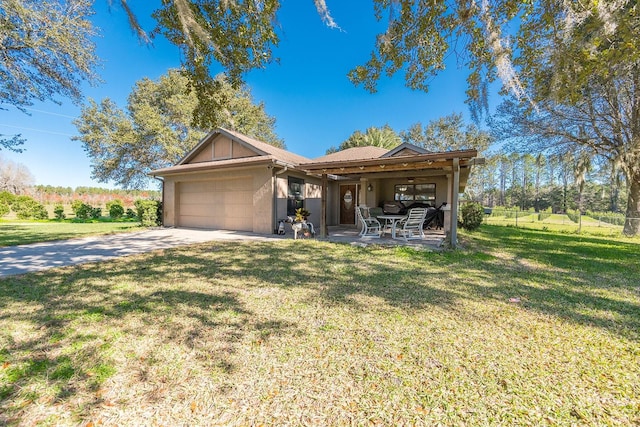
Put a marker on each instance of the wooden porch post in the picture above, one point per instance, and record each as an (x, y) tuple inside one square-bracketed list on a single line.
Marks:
[(323, 207), (454, 202)]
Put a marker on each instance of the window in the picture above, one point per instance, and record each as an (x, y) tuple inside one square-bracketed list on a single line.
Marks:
[(422, 193), (295, 195)]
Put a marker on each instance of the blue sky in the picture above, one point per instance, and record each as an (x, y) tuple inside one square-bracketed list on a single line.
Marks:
[(308, 91)]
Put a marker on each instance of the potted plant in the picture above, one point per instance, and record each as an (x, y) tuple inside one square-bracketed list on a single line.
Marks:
[(301, 218), (302, 214)]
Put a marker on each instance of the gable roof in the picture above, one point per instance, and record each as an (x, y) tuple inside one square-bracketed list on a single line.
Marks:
[(354, 153), (277, 153), (258, 147), (352, 161), (406, 149)]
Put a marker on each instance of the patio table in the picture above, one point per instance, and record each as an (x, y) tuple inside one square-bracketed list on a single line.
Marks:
[(391, 221)]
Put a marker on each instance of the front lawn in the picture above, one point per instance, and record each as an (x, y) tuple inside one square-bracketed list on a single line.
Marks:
[(522, 327), (17, 232)]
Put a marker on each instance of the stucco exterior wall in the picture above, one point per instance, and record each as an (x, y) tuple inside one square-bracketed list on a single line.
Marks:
[(169, 202)]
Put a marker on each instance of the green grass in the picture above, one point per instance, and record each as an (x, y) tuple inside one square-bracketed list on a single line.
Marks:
[(17, 232), (557, 223), (521, 327)]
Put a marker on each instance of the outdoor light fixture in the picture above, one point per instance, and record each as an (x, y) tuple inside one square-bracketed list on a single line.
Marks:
[(369, 187), (410, 180)]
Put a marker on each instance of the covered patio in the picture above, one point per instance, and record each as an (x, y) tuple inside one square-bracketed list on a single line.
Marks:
[(433, 240), (407, 174)]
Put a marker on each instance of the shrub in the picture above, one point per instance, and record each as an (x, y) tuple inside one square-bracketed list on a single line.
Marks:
[(76, 205), (472, 216), (4, 208), (81, 210), (149, 212), (58, 211), (7, 198), (131, 213), (613, 218), (573, 215), (96, 213), (543, 215), (115, 208), (26, 207)]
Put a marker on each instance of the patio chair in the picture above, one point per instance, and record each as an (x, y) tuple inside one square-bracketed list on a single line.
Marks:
[(410, 228), (375, 212), (370, 226)]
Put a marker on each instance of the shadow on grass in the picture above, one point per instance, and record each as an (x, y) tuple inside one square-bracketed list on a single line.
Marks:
[(588, 281), (65, 323), (334, 273), (582, 254)]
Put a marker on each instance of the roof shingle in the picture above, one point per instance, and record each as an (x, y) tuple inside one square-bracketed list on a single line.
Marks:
[(354, 153)]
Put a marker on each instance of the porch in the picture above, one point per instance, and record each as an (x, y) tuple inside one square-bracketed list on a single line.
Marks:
[(407, 174), (433, 239)]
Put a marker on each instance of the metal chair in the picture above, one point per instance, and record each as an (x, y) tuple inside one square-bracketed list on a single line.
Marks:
[(410, 228), (370, 226)]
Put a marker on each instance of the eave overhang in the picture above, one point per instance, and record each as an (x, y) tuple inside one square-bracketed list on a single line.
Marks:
[(421, 162), (220, 165)]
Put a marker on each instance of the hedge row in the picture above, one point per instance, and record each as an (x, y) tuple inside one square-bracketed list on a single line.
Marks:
[(148, 212)]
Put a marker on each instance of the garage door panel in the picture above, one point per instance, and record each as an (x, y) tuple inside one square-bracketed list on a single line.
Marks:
[(221, 204), (195, 199)]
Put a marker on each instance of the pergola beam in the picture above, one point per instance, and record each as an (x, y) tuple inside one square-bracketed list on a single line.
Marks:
[(323, 206), (382, 167)]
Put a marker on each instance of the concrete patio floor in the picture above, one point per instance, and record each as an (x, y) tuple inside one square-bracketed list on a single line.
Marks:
[(344, 234)]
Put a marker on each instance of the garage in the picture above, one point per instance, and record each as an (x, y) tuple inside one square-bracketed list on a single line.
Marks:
[(225, 204)]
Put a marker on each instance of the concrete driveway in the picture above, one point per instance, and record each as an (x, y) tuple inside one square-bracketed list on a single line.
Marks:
[(41, 256)]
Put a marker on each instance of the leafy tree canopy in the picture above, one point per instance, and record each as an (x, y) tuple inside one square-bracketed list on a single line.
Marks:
[(384, 137), (579, 69), (497, 39), (47, 50), (447, 133), (155, 129)]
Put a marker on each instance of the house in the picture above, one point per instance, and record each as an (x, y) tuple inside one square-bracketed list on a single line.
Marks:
[(233, 182)]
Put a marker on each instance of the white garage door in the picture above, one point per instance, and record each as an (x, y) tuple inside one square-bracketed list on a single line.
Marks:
[(225, 204)]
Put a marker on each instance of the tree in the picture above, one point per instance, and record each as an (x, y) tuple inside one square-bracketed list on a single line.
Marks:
[(582, 81), (602, 124), (47, 51), (450, 133), (540, 162), (14, 177), (384, 137), (155, 130), (583, 167), (26, 207), (241, 35), (447, 133)]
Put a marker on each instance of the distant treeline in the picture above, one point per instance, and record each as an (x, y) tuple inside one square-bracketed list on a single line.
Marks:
[(559, 183), (48, 194)]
